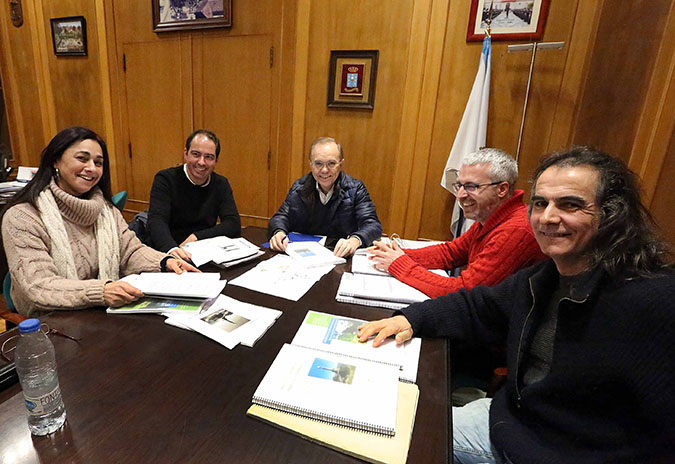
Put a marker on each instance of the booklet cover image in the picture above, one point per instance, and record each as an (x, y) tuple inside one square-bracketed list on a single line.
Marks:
[(225, 320), (345, 330), (331, 370)]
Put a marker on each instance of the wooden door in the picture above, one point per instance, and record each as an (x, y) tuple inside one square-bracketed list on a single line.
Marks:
[(235, 88), (155, 111)]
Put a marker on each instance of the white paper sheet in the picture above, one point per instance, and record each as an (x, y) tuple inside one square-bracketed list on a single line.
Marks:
[(186, 285), (281, 276), (220, 250), (312, 254), (229, 322)]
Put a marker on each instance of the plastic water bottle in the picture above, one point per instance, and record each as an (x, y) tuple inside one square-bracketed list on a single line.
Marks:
[(36, 366)]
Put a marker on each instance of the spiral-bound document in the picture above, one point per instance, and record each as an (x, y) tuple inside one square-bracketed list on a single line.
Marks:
[(339, 334), (331, 388)]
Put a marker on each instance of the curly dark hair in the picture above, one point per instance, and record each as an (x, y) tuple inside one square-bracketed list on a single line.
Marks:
[(627, 244)]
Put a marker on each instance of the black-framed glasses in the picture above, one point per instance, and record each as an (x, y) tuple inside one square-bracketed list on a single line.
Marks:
[(470, 187), (9, 345)]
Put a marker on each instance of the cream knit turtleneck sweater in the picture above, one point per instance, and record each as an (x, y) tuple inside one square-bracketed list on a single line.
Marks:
[(36, 284)]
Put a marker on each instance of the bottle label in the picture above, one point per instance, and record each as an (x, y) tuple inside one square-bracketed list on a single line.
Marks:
[(43, 404)]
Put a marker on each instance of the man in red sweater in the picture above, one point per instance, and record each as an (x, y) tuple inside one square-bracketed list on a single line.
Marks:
[(499, 243)]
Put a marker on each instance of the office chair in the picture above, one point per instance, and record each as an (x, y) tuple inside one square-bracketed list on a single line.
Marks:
[(6, 287), (120, 199)]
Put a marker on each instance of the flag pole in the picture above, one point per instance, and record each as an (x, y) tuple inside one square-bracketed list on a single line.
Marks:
[(526, 47)]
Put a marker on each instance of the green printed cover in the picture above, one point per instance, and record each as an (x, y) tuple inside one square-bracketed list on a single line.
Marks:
[(163, 305)]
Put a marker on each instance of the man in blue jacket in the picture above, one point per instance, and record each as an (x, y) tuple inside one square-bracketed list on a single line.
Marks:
[(327, 202), (589, 332)]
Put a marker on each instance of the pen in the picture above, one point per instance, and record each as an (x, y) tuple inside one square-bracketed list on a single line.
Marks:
[(396, 238)]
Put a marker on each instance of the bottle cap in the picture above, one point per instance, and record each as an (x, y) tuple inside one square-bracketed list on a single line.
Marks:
[(29, 325)]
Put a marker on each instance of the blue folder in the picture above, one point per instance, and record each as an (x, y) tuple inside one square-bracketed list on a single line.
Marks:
[(296, 237)]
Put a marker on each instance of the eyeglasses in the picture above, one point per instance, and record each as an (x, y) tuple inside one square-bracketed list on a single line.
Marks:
[(469, 187), (319, 165), (9, 345)]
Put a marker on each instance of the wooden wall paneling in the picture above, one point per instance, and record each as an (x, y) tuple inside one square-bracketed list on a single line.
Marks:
[(154, 87), (20, 80), (103, 36), (579, 53), (663, 198), (133, 23), (187, 72), (369, 138), (402, 179), (547, 78), (427, 115), (285, 79), (73, 84), (113, 86), (300, 77), (236, 102), (41, 63), (618, 75), (458, 71), (653, 137)]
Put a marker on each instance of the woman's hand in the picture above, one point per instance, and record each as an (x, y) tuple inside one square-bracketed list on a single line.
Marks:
[(179, 266), (119, 293)]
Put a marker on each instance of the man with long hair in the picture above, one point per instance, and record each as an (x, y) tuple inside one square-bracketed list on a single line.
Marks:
[(589, 332)]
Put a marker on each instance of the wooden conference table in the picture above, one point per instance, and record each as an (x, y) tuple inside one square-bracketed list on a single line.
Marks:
[(138, 391)]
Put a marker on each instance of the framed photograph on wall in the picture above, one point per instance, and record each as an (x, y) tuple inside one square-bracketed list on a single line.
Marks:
[(179, 15), (511, 19), (69, 36), (352, 78)]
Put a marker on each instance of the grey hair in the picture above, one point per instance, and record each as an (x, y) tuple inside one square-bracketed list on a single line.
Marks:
[(321, 141), (503, 168)]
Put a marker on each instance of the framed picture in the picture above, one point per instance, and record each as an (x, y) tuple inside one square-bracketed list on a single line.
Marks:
[(351, 79), (511, 19), (179, 15), (69, 36)]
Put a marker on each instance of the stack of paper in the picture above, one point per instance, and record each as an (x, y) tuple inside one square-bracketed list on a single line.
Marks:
[(223, 251), (229, 321), (375, 290), (312, 254), (188, 285), (282, 276)]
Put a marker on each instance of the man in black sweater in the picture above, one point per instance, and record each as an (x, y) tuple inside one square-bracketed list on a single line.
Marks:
[(589, 333), (187, 201)]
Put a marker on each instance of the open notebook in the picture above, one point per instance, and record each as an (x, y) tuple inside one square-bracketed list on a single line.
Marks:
[(331, 388), (338, 334)]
